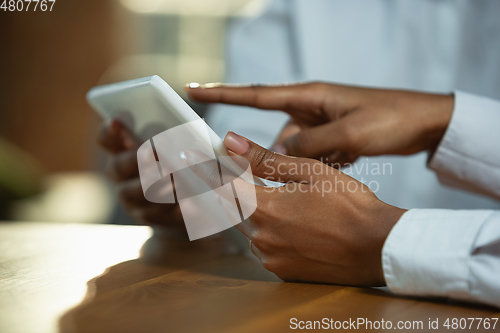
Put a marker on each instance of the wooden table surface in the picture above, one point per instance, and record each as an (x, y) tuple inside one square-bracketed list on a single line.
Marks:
[(103, 278)]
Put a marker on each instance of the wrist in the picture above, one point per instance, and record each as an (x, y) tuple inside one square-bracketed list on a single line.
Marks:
[(438, 120), (389, 218), (380, 220)]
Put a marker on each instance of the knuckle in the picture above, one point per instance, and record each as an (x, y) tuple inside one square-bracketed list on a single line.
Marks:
[(255, 96), (316, 85), (256, 237), (262, 241), (271, 264), (320, 87), (263, 159)]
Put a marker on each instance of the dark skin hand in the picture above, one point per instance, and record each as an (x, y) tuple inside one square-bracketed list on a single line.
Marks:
[(322, 226), (299, 232), (335, 237), (337, 124), (121, 145)]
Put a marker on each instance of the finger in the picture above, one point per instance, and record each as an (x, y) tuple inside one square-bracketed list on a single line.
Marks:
[(288, 98), (115, 137), (123, 166), (346, 159), (291, 128), (338, 159), (322, 140), (109, 137), (129, 139), (330, 159), (270, 165)]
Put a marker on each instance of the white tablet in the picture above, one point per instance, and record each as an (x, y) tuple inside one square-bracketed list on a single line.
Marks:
[(148, 107)]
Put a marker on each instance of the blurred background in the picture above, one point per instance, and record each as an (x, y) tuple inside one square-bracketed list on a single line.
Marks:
[(50, 166)]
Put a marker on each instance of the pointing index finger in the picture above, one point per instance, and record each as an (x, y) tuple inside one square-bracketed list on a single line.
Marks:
[(269, 97)]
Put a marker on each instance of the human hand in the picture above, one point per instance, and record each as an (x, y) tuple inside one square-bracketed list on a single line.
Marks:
[(121, 146), (322, 226), (337, 124)]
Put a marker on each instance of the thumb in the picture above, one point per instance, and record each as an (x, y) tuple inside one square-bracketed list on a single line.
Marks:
[(273, 166)]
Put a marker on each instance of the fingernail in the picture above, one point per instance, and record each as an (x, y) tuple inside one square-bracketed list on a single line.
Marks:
[(192, 85), (279, 148), (211, 85), (236, 143), (196, 85)]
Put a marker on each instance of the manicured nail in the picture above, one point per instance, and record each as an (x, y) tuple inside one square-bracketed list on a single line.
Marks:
[(192, 85), (196, 85), (211, 85), (236, 143), (279, 148)]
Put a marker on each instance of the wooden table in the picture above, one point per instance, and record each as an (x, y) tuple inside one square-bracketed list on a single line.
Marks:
[(91, 278)]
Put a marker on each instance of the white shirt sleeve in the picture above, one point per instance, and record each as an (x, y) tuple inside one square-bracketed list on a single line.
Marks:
[(454, 253), (468, 156), (445, 253)]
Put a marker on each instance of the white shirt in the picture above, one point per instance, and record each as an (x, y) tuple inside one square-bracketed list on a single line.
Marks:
[(454, 253)]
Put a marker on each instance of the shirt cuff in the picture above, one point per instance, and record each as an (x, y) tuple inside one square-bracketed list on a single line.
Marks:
[(464, 157), (427, 253)]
